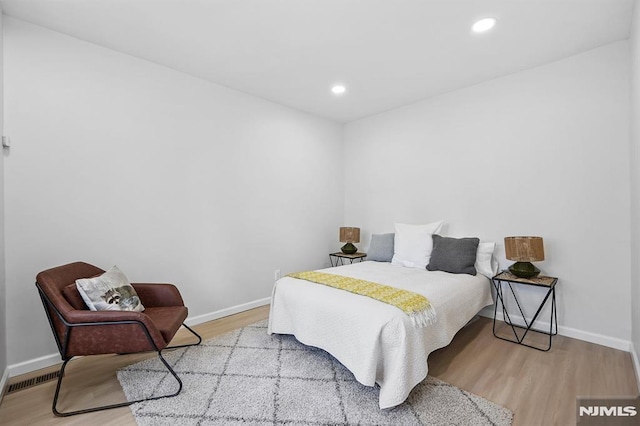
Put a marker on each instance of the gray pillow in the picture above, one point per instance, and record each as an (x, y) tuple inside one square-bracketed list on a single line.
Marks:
[(381, 247), (454, 255)]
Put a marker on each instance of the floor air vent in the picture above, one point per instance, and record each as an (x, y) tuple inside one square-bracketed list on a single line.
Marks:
[(15, 387)]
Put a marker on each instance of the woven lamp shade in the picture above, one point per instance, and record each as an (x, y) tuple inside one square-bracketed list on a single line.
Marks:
[(524, 249), (349, 235)]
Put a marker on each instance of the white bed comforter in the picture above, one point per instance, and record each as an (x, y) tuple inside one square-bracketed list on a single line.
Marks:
[(376, 341)]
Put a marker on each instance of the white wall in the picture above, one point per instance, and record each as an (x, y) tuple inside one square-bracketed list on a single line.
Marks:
[(635, 186), (540, 152), (3, 304), (120, 161)]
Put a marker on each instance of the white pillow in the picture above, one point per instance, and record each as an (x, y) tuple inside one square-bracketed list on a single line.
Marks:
[(110, 291), (485, 264), (413, 244)]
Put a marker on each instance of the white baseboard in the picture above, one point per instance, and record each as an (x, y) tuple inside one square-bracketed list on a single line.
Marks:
[(53, 359), (636, 363), (227, 311), (3, 383), (34, 364), (599, 339)]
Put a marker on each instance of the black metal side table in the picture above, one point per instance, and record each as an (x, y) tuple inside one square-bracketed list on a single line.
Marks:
[(337, 259), (540, 281)]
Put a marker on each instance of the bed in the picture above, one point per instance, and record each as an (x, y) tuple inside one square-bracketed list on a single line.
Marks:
[(377, 342)]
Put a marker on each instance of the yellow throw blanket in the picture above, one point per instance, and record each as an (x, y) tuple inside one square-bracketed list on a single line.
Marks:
[(413, 304)]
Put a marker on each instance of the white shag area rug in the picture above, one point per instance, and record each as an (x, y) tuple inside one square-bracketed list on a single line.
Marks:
[(247, 377)]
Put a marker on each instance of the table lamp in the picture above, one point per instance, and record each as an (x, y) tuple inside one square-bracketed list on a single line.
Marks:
[(524, 250), (349, 235)]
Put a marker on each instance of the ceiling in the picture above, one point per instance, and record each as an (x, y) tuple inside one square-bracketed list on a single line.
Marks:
[(388, 53)]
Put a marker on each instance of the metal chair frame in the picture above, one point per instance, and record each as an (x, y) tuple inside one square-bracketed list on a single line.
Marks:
[(62, 347)]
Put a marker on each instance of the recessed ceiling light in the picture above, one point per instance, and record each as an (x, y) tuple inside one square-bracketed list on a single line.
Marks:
[(338, 89), (483, 25)]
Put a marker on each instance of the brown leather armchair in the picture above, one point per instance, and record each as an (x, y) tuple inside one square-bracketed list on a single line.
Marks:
[(79, 331)]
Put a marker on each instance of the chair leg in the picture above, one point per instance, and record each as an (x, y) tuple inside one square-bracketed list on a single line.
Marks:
[(190, 344), (107, 407)]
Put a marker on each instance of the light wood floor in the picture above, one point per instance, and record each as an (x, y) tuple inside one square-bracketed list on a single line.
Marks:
[(540, 388)]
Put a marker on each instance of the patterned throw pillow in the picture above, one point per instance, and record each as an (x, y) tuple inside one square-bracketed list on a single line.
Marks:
[(110, 291)]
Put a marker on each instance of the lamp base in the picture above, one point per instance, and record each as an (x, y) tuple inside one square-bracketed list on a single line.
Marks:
[(349, 248), (524, 270)]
